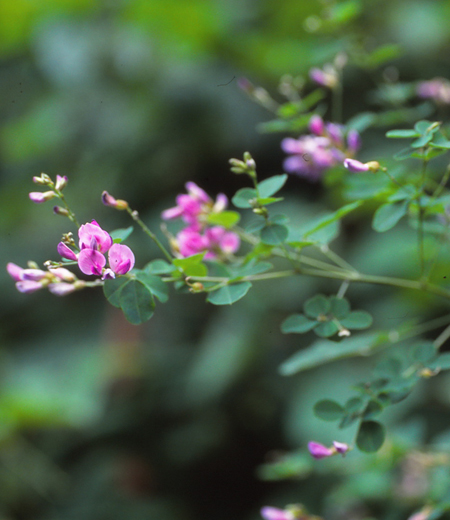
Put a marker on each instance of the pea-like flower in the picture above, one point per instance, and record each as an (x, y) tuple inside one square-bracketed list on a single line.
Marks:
[(121, 259), (319, 451), (92, 236)]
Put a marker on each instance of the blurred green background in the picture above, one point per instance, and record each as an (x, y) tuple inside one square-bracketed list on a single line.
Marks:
[(103, 420)]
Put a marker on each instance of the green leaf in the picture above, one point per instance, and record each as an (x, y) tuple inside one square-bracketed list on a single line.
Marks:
[(251, 268), (319, 223), (387, 216), (159, 267), (301, 243), (324, 351), (326, 329), (328, 410), (192, 265), (156, 286), (255, 225), (383, 54), (424, 353), (440, 141), (119, 235), (229, 294), (297, 324), (370, 436), (243, 196), (422, 141), (388, 368), (405, 153), (226, 219), (409, 191), (274, 234), (423, 127), (339, 307), (442, 362), (372, 409), (361, 121), (270, 186), (112, 289), (402, 134), (268, 200), (353, 405), (136, 302), (316, 306), (357, 320)]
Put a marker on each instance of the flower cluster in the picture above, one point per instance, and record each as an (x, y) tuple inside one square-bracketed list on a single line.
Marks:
[(437, 89), (325, 147), (319, 451), (198, 236), (57, 280), (94, 243)]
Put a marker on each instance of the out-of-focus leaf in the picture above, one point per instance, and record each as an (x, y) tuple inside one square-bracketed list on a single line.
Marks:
[(229, 294)]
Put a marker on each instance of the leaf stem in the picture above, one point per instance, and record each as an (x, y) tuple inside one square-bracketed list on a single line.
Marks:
[(135, 216)]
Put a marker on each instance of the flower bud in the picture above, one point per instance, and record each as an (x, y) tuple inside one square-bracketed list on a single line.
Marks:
[(355, 166), (58, 210), (109, 200), (374, 166), (319, 451), (61, 182), (38, 196), (61, 288), (316, 125), (196, 287), (63, 274)]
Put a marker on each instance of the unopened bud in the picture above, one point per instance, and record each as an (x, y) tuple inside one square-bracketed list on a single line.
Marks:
[(374, 166), (39, 196), (196, 287), (427, 372), (61, 182), (58, 210), (109, 200)]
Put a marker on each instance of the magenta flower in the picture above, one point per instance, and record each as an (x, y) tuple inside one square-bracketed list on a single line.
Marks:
[(28, 286), (319, 451), (91, 261), (61, 182), (39, 196), (14, 271), (196, 203), (190, 242), (273, 513), (437, 89), (66, 252), (220, 241), (316, 125), (121, 259), (33, 274), (61, 288), (92, 236), (341, 447), (326, 77), (355, 166), (109, 200)]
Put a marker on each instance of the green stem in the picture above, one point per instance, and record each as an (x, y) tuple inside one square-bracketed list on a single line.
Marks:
[(420, 226), (334, 257), (71, 216), (135, 216), (442, 338)]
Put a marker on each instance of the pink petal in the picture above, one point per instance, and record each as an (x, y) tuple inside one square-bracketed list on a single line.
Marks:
[(66, 252), (14, 271), (121, 258), (28, 286), (319, 451), (91, 261), (61, 288)]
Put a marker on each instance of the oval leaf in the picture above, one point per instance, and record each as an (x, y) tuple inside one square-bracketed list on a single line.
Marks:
[(297, 323), (326, 329), (243, 196), (112, 289), (328, 410), (229, 294), (357, 320), (387, 216), (274, 234), (270, 186), (136, 302), (370, 436), (316, 306)]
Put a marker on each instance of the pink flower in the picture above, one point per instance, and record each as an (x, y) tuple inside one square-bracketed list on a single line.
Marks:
[(316, 125), (14, 271), (92, 236), (28, 286), (273, 513), (33, 274), (341, 447), (190, 242), (39, 196), (61, 182), (91, 261), (437, 89), (61, 288), (66, 252), (63, 274), (355, 166), (326, 77), (219, 240), (191, 206), (121, 259), (109, 200), (319, 451)]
